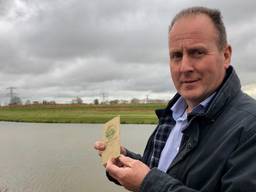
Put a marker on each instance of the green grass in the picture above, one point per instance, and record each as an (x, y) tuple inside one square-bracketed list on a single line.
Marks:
[(130, 113)]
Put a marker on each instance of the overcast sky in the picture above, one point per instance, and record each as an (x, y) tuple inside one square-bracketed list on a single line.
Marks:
[(60, 49)]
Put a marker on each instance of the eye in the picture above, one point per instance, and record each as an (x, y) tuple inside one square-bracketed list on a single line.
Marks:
[(176, 56), (197, 53)]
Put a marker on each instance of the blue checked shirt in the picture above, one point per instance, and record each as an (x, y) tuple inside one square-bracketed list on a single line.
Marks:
[(168, 137)]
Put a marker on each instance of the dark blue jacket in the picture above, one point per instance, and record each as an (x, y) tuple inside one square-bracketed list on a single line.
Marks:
[(218, 150)]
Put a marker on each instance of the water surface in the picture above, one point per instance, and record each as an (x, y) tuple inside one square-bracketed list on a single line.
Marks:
[(37, 157)]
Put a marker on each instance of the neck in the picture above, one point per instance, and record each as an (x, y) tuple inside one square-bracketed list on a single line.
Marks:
[(189, 109), (191, 105)]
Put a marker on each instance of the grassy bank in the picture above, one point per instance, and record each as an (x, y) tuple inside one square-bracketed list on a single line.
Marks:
[(130, 113)]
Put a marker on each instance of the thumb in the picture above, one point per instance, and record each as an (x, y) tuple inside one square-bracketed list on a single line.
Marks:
[(126, 161)]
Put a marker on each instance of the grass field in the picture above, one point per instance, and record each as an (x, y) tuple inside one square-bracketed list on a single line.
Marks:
[(130, 113)]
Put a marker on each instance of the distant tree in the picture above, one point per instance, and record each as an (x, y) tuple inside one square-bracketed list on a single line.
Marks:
[(36, 103), (15, 101), (77, 100), (113, 102), (52, 102), (28, 102), (96, 101), (135, 101)]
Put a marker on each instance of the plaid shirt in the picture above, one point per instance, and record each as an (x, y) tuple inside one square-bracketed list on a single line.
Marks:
[(160, 138)]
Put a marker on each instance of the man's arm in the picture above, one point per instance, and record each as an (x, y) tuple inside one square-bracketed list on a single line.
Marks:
[(239, 173), (137, 176)]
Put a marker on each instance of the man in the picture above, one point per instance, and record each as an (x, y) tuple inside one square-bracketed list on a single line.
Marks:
[(206, 137)]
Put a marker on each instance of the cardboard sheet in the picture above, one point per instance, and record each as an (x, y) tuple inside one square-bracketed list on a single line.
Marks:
[(111, 137)]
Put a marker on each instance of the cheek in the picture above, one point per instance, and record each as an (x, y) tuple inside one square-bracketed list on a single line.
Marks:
[(213, 78), (175, 78), (174, 73), (174, 69)]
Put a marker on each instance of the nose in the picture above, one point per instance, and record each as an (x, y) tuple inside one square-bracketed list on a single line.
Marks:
[(186, 64)]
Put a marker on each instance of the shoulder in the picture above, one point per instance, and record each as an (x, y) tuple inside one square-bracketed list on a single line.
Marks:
[(244, 109), (245, 105)]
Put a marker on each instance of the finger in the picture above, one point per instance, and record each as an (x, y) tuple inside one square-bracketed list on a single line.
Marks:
[(126, 161), (113, 169), (118, 163), (123, 150), (99, 145)]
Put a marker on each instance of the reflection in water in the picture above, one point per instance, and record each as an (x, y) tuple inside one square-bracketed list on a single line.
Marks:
[(58, 157)]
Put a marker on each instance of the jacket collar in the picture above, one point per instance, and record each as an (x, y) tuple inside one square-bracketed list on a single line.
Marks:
[(230, 87), (224, 94)]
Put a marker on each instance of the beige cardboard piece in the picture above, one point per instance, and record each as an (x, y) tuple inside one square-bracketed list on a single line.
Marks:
[(111, 137)]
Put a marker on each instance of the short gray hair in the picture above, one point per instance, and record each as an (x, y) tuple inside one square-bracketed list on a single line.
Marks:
[(213, 14)]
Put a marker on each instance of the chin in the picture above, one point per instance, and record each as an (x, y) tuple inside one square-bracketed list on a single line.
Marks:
[(192, 97)]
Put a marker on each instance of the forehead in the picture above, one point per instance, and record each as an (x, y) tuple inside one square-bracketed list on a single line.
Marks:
[(194, 29)]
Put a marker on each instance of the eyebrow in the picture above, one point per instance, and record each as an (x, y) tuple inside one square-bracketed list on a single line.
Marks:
[(188, 48), (196, 48)]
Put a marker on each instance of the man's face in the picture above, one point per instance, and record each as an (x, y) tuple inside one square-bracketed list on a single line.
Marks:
[(196, 63)]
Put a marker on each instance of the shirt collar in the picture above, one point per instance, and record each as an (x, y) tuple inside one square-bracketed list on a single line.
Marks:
[(180, 106), (205, 102)]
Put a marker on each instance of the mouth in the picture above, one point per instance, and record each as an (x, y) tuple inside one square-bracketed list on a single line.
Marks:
[(189, 81)]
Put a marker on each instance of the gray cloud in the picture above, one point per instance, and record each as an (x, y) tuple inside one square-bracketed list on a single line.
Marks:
[(5, 6), (61, 49)]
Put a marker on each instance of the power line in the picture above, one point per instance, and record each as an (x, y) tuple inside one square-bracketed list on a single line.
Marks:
[(11, 93), (104, 97), (147, 98)]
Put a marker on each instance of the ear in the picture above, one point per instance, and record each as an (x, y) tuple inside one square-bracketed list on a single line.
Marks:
[(227, 52)]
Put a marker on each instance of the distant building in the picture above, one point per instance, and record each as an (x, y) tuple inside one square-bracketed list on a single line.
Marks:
[(36, 103), (123, 101), (135, 101), (114, 102), (77, 100), (48, 102)]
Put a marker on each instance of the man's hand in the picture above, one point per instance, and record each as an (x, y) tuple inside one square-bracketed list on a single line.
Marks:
[(128, 172)]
